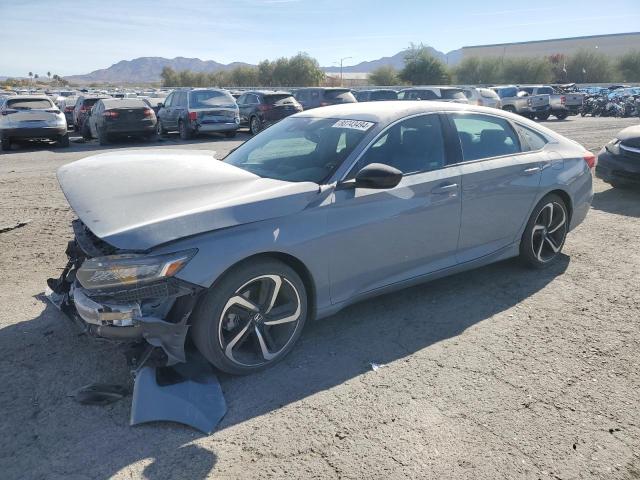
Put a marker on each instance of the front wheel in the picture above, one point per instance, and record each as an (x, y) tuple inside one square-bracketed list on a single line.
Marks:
[(562, 116), (160, 131), (251, 318), (546, 231), (542, 116)]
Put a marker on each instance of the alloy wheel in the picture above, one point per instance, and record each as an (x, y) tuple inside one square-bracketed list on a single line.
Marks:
[(255, 125), (259, 320), (549, 232)]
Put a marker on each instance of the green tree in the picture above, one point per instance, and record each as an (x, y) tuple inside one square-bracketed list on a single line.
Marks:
[(474, 70), (525, 70), (169, 77), (422, 68), (589, 67), (385, 75), (265, 73), (629, 66), (244, 77)]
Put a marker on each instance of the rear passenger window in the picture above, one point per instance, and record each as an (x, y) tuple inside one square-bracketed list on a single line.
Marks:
[(484, 136), (413, 145), (531, 140)]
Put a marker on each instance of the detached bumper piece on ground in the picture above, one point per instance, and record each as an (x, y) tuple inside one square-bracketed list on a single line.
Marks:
[(168, 385)]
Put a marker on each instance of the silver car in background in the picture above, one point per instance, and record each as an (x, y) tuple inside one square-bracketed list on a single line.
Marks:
[(31, 117), (323, 209), (483, 97)]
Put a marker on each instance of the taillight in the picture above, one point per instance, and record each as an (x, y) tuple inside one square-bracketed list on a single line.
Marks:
[(264, 108), (84, 108), (53, 110), (324, 104), (193, 116), (147, 112), (110, 114), (9, 111), (68, 109), (563, 100), (591, 159)]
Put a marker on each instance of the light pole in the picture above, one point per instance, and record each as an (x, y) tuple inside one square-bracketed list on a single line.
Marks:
[(342, 60)]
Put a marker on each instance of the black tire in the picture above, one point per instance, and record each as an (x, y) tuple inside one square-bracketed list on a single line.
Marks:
[(546, 232), (86, 132), (255, 125), (542, 116), (509, 108), (151, 137), (63, 141), (561, 116), (103, 138), (231, 134), (185, 131), (226, 333), (6, 144), (160, 131)]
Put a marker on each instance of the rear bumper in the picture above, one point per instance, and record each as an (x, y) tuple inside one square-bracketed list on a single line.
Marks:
[(217, 127), (41, 132), (136, 129), (542, 109), (619, 169)]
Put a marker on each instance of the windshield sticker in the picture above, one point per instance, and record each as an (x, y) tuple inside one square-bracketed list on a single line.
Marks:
[(353, 124)]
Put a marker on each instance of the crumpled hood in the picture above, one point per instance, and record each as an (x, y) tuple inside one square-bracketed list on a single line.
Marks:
[(630, 136), (138, 199)]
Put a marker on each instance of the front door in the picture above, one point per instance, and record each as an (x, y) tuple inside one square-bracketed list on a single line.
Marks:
[(500, 181), (381, 237)]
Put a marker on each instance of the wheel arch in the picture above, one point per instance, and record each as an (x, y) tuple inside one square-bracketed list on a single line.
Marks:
[(566, 198)]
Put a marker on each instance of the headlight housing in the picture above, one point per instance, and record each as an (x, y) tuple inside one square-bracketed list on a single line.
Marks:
[(613, 147), (126, 270)]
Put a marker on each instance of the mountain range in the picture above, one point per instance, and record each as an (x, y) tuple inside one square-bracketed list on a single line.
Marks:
[(148, 69)]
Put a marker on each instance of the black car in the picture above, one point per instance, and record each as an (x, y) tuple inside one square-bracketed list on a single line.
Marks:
[(119, 117), (619, 160), (259, 108), (376, 95), (322, 97), (83, 105)]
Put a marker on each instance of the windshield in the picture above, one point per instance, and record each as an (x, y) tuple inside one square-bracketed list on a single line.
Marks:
[(300, 149), (29, 103), (507, 92), (452, 94), (210, 98)]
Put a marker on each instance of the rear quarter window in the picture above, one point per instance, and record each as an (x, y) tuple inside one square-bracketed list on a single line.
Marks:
[(532, 140)]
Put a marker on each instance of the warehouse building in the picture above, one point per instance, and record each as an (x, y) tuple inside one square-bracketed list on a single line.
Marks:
[(612, 45)]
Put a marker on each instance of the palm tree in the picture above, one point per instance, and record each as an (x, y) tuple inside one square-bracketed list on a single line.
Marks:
[(30, 75), (49, 75)]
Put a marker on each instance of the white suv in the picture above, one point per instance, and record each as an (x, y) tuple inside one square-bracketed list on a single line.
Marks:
[(31, 117)]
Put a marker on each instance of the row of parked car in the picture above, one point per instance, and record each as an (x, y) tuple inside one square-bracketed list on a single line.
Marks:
[(191, 111)]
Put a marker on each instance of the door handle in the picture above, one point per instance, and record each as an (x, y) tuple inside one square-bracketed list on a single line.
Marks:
[(445, 188), (531, 171)]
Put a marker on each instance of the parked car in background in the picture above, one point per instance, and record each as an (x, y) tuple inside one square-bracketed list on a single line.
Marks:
[(155, 103), (199, 110), (66, 106), (321, 210), (31, 117), (619, 160), (262, 108), (82, 107), (321, 97), (518, 101), (484, 97), (119, 117), (441, 94), (561, 104), (376, 95)]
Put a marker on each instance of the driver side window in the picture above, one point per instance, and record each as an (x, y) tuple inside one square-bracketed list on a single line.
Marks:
[(413, 145)]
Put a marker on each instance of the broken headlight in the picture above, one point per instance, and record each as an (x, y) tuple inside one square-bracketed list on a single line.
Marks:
[(123, 270)]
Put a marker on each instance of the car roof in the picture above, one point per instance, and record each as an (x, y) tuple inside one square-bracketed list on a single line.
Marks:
[(123, 102), (269, 92), (28, 97)]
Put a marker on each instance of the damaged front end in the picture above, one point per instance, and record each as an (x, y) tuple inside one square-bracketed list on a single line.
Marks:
[(124, 295)]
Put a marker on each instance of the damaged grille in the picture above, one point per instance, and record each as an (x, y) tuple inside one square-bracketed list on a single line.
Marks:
[(163, 289), (91, 245)]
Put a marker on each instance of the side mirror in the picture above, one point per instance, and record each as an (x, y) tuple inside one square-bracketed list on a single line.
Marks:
[(160, 105), (375, 175)]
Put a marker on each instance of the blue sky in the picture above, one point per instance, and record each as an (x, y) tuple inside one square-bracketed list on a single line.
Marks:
[(74, 37)]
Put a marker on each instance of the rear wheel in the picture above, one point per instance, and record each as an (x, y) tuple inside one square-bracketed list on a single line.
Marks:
[(230, 134), (103, 138), (160, 131), (562, 116), (63, 140), (86, 132), (251, 318), (254, 125), (185, 131), (546, 231), (542, 116)]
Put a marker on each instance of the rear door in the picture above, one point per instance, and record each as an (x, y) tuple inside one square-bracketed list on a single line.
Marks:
[(500, 180), (381, 237)]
